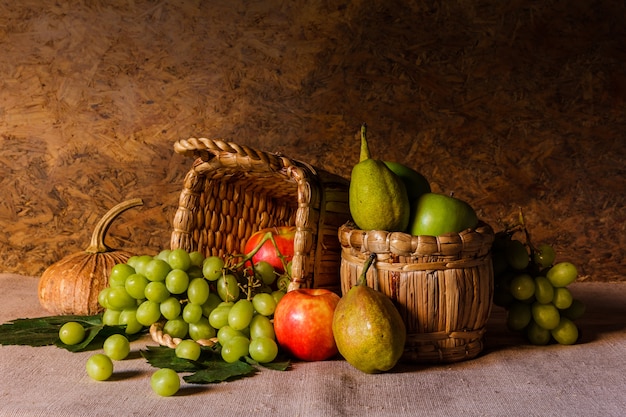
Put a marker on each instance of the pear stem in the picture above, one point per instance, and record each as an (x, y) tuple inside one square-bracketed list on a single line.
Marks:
[(365, 152), (370, 259)]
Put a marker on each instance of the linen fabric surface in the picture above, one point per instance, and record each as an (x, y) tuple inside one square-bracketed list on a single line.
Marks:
[(509, 378)]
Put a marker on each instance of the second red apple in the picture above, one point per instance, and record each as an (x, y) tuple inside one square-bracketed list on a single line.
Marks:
[(283, 236)]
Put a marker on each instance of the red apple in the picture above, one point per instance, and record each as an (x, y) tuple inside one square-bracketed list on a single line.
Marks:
[(303, 323), (283, 236)]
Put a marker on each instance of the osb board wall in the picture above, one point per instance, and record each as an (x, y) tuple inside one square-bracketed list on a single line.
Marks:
[(508, 104)]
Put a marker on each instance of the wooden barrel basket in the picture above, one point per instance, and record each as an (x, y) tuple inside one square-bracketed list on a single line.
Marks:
[(442, 286)]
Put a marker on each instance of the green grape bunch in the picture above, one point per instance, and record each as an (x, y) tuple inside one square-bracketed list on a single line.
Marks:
[(228, 299), (533, 289)]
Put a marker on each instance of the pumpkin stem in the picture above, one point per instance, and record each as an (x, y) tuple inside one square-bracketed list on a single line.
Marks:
[(97, 244)]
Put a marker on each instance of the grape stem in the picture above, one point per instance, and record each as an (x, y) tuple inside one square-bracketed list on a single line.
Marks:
[(252, 282)]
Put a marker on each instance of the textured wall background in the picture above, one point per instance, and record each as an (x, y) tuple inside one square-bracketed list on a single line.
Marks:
[(507, 104)]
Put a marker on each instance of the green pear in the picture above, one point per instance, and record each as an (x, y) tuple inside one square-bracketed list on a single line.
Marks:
[(378, 198), (368, 329), (435, 214)]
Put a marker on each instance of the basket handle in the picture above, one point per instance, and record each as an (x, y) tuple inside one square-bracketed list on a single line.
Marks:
[(208, 148)]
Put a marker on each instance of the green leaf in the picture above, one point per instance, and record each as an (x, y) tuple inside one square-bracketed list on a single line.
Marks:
[(44, 331), (210, 368), (221, 371), (164, 357)]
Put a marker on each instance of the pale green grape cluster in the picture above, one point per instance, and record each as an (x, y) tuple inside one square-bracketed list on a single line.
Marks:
[(198, 298), (533, 290)]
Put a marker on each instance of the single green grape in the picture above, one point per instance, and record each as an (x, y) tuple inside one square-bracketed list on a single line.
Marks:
[(516, 255), (176, 328), (261, 326), (197, 258), (72, 333), (562, 274), (522, 287), (170, 308), (156, 291), (201, 330), (544, 291), (283, 283), (198, 291), (163, 254), (165, 382), (157, 269), (103, 298), (545, 315), (192, 313), (188, 349), (148, 312), (177, 281), (141, 263), (537, 335), (566, 332), (116, 347), (195, 271), (179, 259), (225, 333), (99, 367), (209, 305), (263, 349), (518, 316), (544, 255), (118, 298), (266, 272), (562, 298), (212, 268), (235, 349), (135, 285), (119, 273), (278, 295), (111, 317), (128, 317), (219, 317), (228, 288), (240, 314), (264, 304)]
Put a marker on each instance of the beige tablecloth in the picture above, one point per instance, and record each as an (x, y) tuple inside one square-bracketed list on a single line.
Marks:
[(509, 379)]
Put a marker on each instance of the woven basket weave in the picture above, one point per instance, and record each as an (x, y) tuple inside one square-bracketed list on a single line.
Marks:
[(442, 286), (232, 191)]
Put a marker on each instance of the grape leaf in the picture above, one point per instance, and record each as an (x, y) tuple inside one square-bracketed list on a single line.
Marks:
[(223, 371), (44, 331), (210, 368), (164, 357)]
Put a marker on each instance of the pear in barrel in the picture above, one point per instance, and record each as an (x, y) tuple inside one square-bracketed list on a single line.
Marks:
[(377, 196)]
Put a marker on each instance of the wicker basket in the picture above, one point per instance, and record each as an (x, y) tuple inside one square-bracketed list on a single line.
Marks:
[(232, 191), (442, 286)]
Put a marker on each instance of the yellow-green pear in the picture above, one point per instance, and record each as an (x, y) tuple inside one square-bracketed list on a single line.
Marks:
[(368, 329), (378, 198)]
